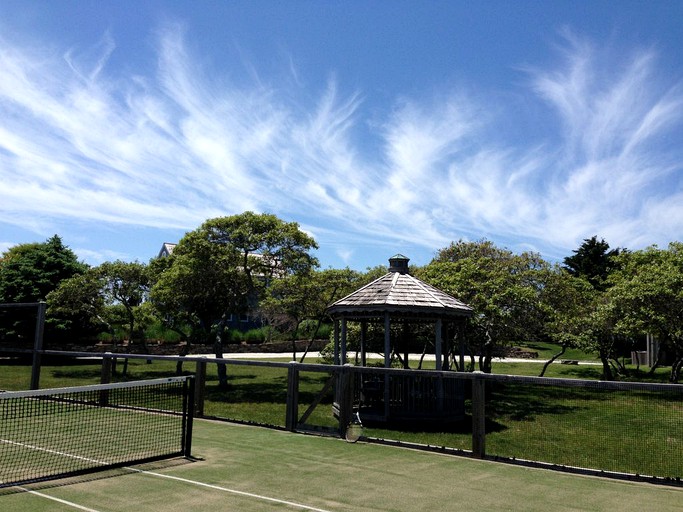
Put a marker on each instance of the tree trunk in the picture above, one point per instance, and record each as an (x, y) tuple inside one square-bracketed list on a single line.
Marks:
[(218, 349), (606, 368), (485, 357), (676, 370), (552, 359), (183, 352), (310, 341), (654, 367), (424, 351), (295, 335)]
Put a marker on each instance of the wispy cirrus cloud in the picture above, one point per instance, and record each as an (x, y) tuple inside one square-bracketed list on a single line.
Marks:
[(170, 148), (612, 167)]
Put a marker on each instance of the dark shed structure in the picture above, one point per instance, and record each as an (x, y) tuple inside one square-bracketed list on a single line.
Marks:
[(396, 297)]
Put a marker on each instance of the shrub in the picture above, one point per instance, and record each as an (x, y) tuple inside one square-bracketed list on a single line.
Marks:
[(256, 336), (157, 331), (235, 336)]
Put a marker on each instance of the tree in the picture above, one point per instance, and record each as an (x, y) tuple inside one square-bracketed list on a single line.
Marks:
[(502, 287), (593, 261), (76, 309), (582, 317), (268, 246), (647, 297), (223, 267), (125, 284), (568, 303), (111, 294), (295, 298), (29, 272)]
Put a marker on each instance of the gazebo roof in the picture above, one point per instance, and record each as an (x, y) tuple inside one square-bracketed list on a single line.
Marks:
[(399, 292)]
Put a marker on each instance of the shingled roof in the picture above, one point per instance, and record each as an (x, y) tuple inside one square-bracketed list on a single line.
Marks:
[(398, 291)]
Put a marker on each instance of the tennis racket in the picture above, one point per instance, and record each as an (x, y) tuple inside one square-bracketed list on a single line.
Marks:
[(354, 430)]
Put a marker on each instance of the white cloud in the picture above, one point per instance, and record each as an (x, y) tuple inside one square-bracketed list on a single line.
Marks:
[(181, 145)]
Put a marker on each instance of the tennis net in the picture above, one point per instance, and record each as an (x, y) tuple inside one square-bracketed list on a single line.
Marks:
[(54, 433)]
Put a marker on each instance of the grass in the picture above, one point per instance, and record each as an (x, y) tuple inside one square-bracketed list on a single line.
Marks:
[(244, 468), (547, 350), (627, 432)]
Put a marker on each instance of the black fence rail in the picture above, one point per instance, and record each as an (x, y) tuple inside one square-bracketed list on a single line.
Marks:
[(622, 429)]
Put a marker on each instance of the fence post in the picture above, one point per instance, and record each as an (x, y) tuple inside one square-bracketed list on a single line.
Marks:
[(345, 398), (105, 374), (105, 378), (199, 389), (292, 412), (38, 345), (478, 417)]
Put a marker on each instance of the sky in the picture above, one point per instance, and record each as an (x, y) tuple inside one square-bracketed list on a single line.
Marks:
[(380, 127)]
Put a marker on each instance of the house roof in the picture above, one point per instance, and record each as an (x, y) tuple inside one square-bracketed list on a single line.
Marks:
[(166, 249), (399, 292)]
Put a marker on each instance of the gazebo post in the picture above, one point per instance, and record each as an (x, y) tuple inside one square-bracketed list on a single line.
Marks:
[(343, 341), (387, 362), (363, 336), (461, 341), (405, 337), (387, 340), (437, 343), (336, 341), (446, 346)]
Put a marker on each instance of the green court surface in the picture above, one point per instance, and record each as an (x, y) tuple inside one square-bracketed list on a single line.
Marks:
[(243, 468)]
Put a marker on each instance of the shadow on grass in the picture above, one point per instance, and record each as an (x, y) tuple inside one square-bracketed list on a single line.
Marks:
[(517, 402), (84, 373), (463, 426)]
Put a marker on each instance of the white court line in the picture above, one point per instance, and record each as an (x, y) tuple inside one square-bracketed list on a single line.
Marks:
[(161, 475), (63, 502), (232, 491), (48, 450), (47, 496)]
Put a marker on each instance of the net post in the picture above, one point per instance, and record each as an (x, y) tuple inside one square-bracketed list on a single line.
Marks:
[(188, 413), (292, 412), (479, 417), (199, 388), (38, 345)]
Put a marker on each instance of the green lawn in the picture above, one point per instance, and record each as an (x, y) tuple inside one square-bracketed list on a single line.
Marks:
[(253, 469), (616, 431), (547, 350)]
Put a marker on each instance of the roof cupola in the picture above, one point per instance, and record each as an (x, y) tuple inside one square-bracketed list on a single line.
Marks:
[(399, 263)]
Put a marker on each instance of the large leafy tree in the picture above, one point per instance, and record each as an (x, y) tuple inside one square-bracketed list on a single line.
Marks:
[(76, 309), (502, 287), (595, 262), (647, 297), (201, 284), (112, 294), (126, 285), (579, 316), (224, 267), (568, 304), (28, 273), (294, 298)]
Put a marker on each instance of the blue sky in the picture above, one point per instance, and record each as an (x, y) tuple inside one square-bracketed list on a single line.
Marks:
[(380, 127)]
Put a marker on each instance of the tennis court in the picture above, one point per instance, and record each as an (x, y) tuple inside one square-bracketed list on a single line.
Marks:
[(247, 468)]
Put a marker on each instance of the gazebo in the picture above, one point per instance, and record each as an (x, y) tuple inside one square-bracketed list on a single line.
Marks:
[(399, 297)]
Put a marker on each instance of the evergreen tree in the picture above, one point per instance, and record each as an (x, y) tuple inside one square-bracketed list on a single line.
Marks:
[(594, 261)]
